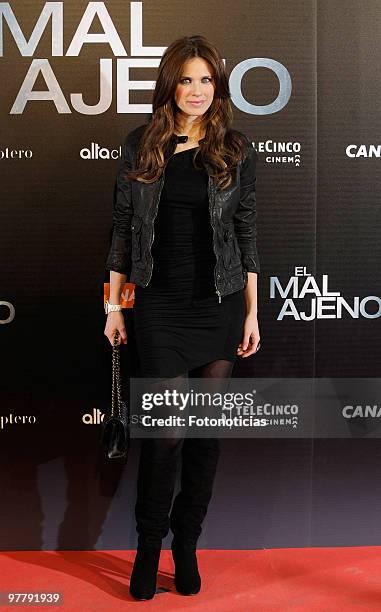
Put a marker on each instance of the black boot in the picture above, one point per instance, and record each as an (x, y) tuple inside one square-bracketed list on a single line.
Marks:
[(144, 572), (187, 577)]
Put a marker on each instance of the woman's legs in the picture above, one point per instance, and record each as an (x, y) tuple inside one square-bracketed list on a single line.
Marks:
[(158, 465), (199, 463), (156, 480), (159, 460)]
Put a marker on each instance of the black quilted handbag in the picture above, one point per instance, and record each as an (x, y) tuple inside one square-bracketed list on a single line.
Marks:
[(116, 431)]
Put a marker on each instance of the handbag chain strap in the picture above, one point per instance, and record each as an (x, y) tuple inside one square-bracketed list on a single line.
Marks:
[(116, 407)]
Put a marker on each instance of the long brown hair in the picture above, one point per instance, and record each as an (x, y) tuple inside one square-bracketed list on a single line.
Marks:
[(222, 148)]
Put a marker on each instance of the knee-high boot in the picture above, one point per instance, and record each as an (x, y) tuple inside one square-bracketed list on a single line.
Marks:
[(199, 464), (155, 486)]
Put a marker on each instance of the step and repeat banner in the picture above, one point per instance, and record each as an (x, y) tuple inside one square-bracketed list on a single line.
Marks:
[(76, 77)]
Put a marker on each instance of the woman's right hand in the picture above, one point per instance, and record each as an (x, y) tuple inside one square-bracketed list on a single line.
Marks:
[(114, 322)]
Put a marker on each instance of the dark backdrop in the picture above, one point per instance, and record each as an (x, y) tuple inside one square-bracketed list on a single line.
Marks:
[(310, 81)]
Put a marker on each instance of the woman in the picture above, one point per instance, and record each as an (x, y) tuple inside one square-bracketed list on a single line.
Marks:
[(185, 233)]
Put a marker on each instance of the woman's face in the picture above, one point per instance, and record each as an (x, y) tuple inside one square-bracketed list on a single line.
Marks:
[(196, 85)]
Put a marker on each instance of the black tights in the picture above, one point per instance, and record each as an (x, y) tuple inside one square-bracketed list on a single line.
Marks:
[(159, 460)]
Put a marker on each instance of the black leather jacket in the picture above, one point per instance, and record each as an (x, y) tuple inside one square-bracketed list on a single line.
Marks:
[(232, 215)]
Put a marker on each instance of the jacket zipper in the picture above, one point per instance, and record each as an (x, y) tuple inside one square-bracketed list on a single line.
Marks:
[(210, 190), (153, 225)]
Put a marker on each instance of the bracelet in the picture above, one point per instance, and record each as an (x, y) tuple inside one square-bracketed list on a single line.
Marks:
[(112, 307)]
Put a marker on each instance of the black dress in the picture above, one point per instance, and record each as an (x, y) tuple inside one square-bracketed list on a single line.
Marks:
[(178, 320)]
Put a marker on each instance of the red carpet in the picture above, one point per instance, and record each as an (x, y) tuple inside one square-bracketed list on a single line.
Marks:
[(305, 579)]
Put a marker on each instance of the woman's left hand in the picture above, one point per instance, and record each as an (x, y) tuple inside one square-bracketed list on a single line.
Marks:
[(250, 340)]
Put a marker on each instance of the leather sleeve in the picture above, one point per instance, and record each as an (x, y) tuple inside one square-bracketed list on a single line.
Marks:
[(119, 255), (245, 218)]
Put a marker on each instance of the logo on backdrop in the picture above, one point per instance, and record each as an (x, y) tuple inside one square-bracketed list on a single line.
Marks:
[(321, 302), (10, 309), (280, 152), (96, 417), (16, 419), (15, 153), (95, 151), (51, 18), (363, 150), (363, 411)]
